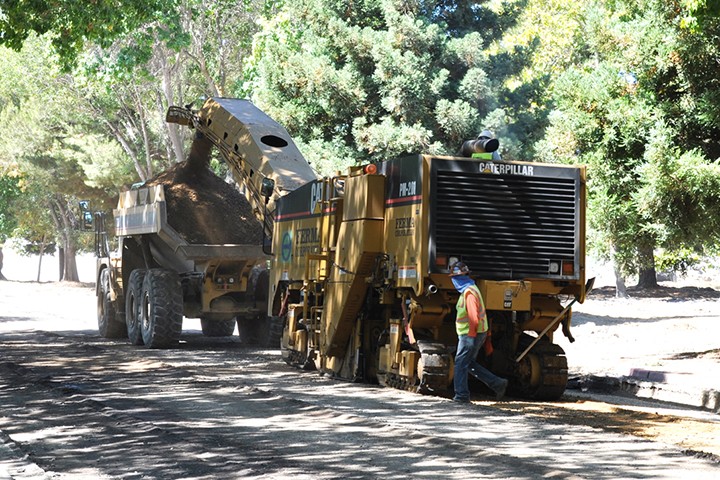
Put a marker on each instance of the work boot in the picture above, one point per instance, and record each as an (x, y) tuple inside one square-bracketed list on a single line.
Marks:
[(500, 392)]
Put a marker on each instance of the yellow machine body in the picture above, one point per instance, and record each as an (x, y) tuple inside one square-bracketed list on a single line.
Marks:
[(367, 254)]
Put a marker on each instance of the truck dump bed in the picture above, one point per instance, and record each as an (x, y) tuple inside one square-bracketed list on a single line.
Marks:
[(143, 211)]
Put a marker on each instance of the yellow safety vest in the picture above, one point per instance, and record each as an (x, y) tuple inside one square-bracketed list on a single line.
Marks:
[(462, 321)]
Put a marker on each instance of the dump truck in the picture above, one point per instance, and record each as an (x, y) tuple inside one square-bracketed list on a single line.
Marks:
[(188, 260), (360, 260)]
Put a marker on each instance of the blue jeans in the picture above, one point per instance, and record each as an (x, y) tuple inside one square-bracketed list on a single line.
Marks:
[(465, 362)]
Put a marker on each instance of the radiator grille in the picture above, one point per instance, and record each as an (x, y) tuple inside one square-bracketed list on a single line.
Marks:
[(506, 226)]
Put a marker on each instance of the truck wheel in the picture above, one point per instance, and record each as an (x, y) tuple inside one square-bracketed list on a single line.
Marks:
[(262, 331), (133, 306), (108, 326), (275, 326), (217, 328), (161, 308)]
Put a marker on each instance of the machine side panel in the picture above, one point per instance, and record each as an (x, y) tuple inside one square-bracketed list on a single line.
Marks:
[(359, 248), (297, 234), (404, 220)]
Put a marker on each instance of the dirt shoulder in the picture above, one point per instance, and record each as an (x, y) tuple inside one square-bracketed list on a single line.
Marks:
[(662, 343)]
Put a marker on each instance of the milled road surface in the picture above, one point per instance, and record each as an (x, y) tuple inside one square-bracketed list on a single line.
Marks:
[(76, 406)]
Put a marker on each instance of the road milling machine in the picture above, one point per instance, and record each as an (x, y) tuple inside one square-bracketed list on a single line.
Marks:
[(359, 273), (360, 268)]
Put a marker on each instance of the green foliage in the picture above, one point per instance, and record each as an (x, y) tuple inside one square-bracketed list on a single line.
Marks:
[(695, 14), (638, 109), (34, 223), (628, 87), (9, 192), (372, 79), (677, 260), (45, 147), (687, 88), (72, 24), (681, 194)]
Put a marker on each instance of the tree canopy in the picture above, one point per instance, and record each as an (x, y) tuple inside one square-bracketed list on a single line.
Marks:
[(359, 81), (633, 105), (71, 25)]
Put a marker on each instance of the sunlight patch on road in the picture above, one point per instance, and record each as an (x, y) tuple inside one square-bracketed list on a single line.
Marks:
[(140, 366)]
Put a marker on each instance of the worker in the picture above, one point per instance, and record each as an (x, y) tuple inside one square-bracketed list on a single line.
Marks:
[(484, 147), (471, 325), (486, 137)]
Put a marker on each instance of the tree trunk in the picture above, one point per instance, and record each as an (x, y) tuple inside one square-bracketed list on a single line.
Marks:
[(620, 289), (2, 277), (176, 138), (70, 267), (143, 129), (160, 106), (63, 219), (42, 252), (61, 263), (129, 150), (647, 276)]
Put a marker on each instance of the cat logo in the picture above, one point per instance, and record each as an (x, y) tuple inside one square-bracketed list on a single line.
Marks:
[(316, 194), (506, 169), (507, 300)]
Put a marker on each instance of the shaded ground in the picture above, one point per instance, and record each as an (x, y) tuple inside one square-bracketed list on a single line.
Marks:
[(77, 406)]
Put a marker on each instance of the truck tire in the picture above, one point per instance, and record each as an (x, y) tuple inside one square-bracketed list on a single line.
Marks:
[(217, 328), (261, 331), (108, 326), (133, 309), (162, 308), (275, 326)]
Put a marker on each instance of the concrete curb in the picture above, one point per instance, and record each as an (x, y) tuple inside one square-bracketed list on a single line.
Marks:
[(653, 385)]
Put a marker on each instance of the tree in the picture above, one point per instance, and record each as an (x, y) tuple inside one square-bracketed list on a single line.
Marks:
[(10, 190), (96, 122), (681, 193), (617, 110), (72, 24), (47, 148), (361, 81), (185, 54)]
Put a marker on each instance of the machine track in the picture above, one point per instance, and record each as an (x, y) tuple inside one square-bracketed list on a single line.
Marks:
[(433, 372), (543, 373), (434, 367)]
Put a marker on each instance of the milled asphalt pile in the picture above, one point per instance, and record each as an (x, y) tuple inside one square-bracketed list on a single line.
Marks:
[(16, 465)]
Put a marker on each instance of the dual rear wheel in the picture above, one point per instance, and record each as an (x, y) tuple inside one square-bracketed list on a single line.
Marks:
[(108, 324), (154, 313), (133, 311), (154, 308)]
